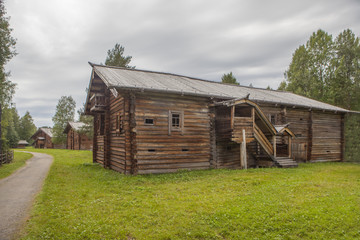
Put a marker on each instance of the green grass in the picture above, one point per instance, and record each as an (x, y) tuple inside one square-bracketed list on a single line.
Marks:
[(19, 161), (81, 200)]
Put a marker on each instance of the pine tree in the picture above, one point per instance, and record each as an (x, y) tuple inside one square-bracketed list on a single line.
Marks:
[(115, 57), (229, 78)]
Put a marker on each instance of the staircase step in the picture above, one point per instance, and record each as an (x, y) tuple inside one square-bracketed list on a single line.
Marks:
[(285, 162)]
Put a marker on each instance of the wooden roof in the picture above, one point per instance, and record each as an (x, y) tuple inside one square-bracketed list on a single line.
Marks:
[(141, 80)]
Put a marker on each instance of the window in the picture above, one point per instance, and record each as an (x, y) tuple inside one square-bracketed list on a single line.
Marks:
[(176, 121), (119, 123), (272, 118), (149, 121)]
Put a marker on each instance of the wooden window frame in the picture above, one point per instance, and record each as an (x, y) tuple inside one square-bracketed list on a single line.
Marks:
[(179, 128), (149, 124), (119, 123)]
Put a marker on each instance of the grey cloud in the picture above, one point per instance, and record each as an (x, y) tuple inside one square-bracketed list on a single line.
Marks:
[(205, 39)]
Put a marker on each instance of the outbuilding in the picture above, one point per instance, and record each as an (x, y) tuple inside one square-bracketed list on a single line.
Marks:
[(22, 144), (76, 138)]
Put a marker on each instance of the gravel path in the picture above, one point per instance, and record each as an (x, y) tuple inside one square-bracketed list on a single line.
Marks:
[(17, 193)]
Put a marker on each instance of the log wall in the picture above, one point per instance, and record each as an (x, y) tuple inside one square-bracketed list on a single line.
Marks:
[(318, 134), (160, 149)]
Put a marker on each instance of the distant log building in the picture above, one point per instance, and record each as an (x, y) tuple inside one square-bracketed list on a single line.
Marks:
[(152, 122), (76, 140), (43, 139), (22, 144)]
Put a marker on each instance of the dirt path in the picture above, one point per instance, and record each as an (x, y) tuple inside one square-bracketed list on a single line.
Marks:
[(17, 193)]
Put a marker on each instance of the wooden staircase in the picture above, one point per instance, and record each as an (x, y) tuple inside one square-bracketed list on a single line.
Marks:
[(285, 162)]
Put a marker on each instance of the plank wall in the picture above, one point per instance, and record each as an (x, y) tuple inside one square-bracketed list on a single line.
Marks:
[(326, 145), (117, 148), (160, 152)]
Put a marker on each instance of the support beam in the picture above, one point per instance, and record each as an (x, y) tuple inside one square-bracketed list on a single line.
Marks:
[(274, 145), (310, 136), (232, 117), (132, 123), (289, 145), (342, 140), (243, 160)]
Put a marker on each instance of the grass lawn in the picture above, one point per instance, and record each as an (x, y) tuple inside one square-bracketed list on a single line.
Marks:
[(19, 161), (81, 200)]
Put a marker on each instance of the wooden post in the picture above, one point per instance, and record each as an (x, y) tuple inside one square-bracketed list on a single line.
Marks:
[(342, 140), (289, 146), (95, 147), (243, 160), (132, 123), (232, 117), (274, 145), (213, 159), (310, 136)]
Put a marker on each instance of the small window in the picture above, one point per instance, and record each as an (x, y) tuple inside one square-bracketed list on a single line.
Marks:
[(149, 121), (185, 150), (151, 150), (175, 120), (119, 123), (272, 118)]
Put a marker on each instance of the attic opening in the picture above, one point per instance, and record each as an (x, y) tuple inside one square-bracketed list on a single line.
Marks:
[(242, 111)]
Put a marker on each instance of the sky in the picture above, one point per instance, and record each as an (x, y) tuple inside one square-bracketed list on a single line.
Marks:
[(205, 39)]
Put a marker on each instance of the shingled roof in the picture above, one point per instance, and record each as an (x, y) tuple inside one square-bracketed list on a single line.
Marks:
[(141, 80)]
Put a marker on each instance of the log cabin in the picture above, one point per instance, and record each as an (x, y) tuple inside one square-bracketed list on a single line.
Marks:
[(153, 122), (77, 140), (43, 138), (22, 144)]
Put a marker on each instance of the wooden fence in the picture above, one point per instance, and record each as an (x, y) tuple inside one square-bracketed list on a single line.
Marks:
[(6, 157)]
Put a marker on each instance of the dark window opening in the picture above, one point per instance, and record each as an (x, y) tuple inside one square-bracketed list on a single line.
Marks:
[(185, 150), (149, 121), (241, 111), (175, 120), (119, 123), (272, 118), (151, 150)]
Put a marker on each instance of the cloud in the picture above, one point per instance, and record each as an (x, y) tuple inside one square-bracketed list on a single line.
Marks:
[(205, 39)]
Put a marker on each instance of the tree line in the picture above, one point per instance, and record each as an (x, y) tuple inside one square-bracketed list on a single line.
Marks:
[(13, 127)]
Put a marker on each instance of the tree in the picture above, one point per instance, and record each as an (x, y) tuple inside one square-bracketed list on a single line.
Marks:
[(88, 128), (26, 127), (329, 70), (115, 57), (65, 112), (229, 78), (7, 88)]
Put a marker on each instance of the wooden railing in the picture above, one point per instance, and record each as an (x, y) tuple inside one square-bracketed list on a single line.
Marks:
[(6, 157), (264, 142), (98, 103)]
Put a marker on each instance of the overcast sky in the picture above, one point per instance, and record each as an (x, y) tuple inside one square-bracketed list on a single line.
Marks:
[(205, 39)]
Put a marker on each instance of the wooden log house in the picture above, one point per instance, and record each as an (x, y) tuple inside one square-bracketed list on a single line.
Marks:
[(43, 138), (76, 140), (152, 122)]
